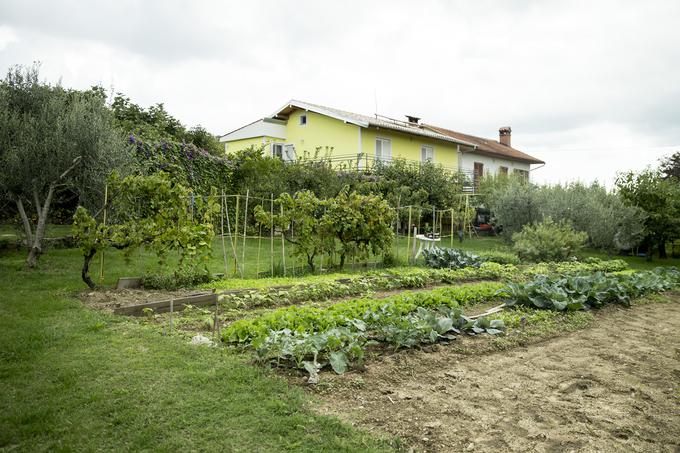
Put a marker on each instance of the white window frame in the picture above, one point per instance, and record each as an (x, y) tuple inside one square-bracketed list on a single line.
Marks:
[(275, 144), (383, 141), (289, 152), (300, 120), (424, 149)]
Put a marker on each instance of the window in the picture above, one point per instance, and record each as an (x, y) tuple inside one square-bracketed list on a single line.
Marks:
[(383, 149), (303, 120), (522, 173), (478, 172), (277, 150), (426, 153), (289, 153), (503, 171)]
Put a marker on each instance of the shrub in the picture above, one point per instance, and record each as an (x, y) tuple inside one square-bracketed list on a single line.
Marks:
[(548, 241)]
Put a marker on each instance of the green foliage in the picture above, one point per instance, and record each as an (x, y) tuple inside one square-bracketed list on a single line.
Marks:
[(155, 124), (153, 212), (301, 221), (348, 225), (55, 144), (577, 292), (494, 256), (308, 319), (423, 184), (341, 346), (438, 258), (187, 165), (659, 197), (372, 281), (670, 166), (182, 278), (610, 223), (572, 267), (513, 202), (360, 223), (548, 241)]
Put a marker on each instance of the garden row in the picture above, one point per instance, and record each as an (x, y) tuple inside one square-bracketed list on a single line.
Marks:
[(405, 278), (338, 335)]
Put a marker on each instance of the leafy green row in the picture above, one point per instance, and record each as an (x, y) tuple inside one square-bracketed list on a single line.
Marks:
[(573, 267), (450, 258), (577, 292), (343, 345), (310, 319), (446, 258), (406, 278), (373, 281)]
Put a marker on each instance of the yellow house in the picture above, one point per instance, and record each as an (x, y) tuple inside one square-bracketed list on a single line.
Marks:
[(307, 131), (303, 130)]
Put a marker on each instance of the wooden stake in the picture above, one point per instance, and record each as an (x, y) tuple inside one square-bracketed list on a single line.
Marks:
[(172, 308), (451, 227), (245, 232), (101, 258), (238, 198), (224, 249), (231, 241), (271, 232), (259, 246), (283, 247), (408, 240)]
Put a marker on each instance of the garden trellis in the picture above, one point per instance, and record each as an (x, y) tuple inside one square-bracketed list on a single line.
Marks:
[(251, 249)]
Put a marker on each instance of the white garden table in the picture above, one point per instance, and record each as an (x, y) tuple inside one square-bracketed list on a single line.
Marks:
[(425, 242)]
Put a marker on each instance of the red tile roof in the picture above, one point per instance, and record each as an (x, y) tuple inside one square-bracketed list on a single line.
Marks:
[(488, 146)]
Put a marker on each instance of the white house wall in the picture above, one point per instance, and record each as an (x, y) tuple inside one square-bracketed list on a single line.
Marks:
[(261, 128), (491, 164)]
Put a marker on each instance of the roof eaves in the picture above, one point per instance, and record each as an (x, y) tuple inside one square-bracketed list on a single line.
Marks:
[(238, 129), (322, 111)]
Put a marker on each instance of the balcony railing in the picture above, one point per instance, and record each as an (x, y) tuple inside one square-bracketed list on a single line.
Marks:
[(366, 163)]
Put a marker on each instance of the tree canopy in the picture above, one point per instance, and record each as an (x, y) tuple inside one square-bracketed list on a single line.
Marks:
[(155, 124), (659, 197), (52, 140)]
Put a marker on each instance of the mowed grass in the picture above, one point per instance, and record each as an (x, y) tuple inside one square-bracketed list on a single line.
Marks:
[(74, 379)]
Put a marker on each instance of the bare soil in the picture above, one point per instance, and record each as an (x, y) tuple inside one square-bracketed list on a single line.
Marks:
[(614, 386), (107, 300)]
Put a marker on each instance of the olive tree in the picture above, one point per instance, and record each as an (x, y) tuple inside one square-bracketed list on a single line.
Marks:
[(52, 140)]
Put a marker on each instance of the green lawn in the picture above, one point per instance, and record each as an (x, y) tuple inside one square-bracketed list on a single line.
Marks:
[(76, 379)]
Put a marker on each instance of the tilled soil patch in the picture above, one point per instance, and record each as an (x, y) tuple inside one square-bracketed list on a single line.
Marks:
[(614, 386)]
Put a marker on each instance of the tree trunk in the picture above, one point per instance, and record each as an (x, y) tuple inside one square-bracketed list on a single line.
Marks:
[(662, 249), (310, 262), (24, 221), (85, 273), (342, 261), (43, 211)]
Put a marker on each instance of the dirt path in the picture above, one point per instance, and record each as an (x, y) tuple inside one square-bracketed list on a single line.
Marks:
[(612, 387)]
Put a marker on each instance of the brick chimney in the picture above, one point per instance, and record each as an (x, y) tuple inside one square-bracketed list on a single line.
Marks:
[(504, 135)]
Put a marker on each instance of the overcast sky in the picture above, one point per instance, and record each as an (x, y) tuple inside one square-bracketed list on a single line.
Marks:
[(591, 87)]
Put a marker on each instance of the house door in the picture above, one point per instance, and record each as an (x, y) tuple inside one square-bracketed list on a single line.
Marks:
[(478, 173)]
